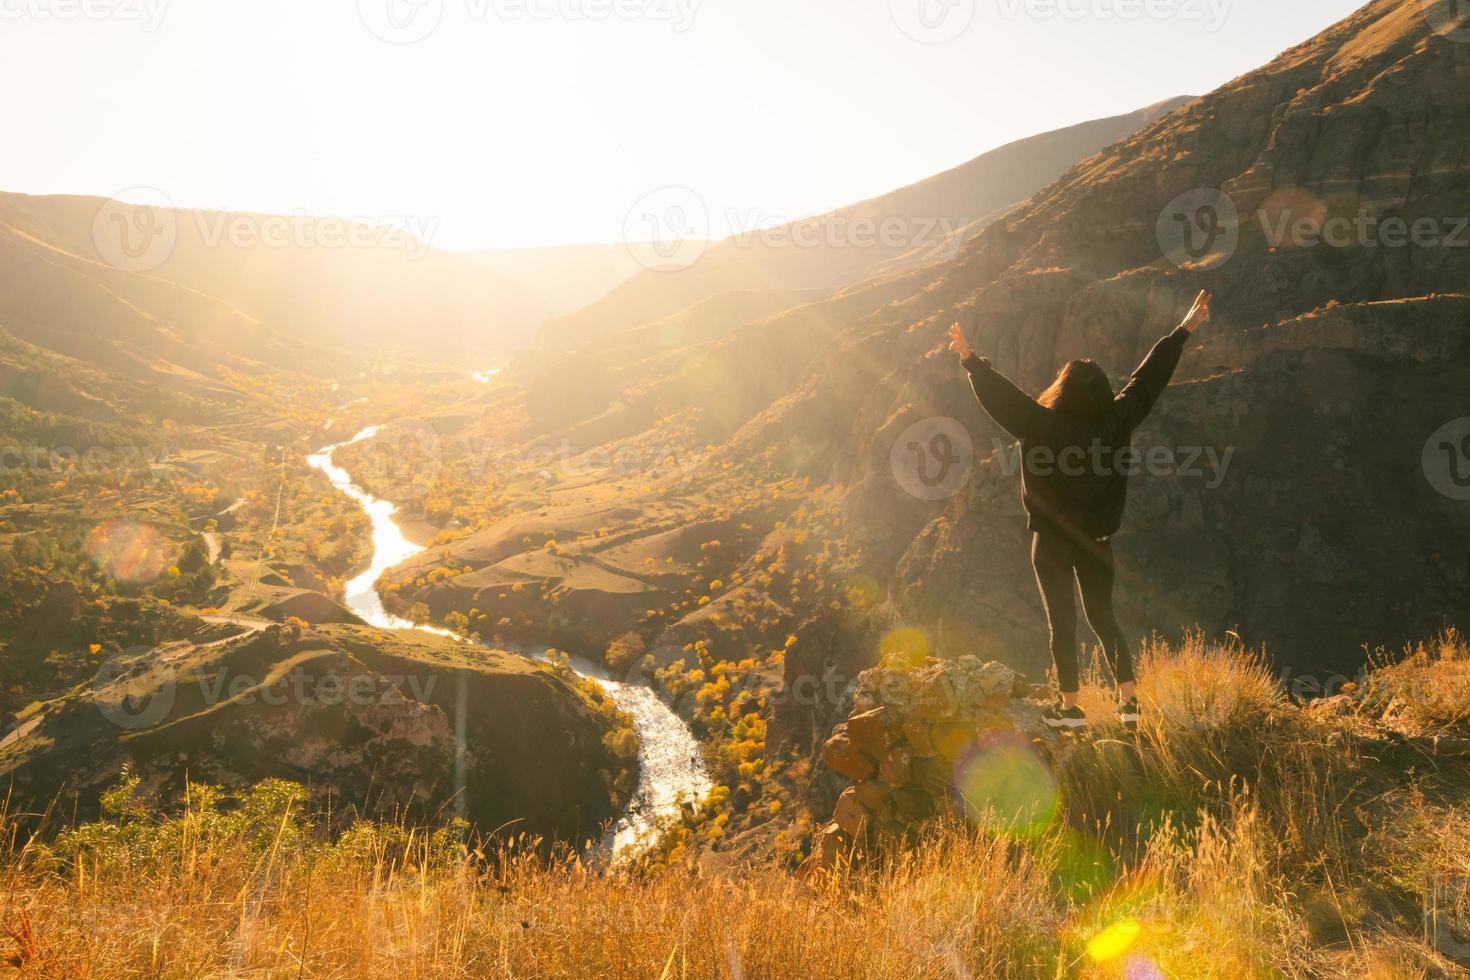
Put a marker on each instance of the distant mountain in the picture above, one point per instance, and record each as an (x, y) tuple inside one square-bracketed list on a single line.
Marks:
[(565, 277), (926, 221), (324, 279), (79, 316)]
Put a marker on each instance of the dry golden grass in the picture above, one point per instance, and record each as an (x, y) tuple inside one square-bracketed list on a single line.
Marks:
[(961, 904), (1427, 691), (1242, 839), (1216, 724)]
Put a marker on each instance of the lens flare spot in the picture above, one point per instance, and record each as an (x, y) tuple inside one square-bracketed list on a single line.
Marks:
[(1292, 216), (1004, 785), (904, 649), (863, 591), (130, 552), (1140, 967), (1115, 941)]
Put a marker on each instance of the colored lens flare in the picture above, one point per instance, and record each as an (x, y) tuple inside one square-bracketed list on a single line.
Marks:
[(1114, 941), (904, 649), (863, 591), (1140, 967), (1286, 212), (130, 552), (1006, 786)]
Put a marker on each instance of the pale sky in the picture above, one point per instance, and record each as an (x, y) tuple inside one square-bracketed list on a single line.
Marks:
[(531, 122)]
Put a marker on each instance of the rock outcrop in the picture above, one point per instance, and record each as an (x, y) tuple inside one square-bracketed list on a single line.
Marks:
[(381, 722)]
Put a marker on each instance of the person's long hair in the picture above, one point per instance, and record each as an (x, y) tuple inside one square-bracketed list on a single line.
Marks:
[(1081, 391)]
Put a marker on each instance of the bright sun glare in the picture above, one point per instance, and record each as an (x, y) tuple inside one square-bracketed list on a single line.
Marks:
[(531, 122)]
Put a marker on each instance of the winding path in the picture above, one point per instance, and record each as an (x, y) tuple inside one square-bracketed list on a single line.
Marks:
[(671, 768), (211, 538)]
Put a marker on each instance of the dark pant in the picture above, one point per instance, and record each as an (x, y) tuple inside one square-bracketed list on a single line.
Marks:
[(1058, 558)]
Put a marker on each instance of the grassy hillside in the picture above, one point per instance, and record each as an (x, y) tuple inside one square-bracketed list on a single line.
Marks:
[(1245, 838)]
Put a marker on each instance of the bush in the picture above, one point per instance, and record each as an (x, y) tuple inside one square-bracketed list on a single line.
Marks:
[(624, 652)]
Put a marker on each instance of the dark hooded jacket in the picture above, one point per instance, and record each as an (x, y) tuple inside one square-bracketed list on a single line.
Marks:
[(1075, 471)]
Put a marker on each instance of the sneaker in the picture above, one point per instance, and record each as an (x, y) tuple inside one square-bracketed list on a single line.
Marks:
[(1128, 714), (1065, 719)]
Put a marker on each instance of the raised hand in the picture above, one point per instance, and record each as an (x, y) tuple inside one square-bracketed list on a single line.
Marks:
[(1199, 313), (958, 343)]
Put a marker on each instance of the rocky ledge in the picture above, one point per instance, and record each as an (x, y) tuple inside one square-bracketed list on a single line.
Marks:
[(386, 723)]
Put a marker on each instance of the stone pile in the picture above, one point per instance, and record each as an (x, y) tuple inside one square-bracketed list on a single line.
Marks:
[(907, 732)]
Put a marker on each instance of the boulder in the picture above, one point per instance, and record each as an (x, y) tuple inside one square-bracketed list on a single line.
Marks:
[(932, 775), (936, 699), (830, 845), (850, 814), (844, 758), (873, 732), (896, 767), (913, 805), (872, 794), (952, 739), (920, 741)]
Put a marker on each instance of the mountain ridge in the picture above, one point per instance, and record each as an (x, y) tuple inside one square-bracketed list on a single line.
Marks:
[(935, 213)]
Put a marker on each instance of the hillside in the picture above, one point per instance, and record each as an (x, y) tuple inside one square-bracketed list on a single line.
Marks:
[(368, 719), (132, 325), (756, 503), (921, 223), (1327, 369), (565, 277)]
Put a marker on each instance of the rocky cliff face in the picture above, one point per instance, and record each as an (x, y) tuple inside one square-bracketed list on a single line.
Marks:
[(1299, 416), (383, 723)]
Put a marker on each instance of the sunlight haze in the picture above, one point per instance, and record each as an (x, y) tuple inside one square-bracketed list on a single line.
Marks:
[(527, 122)]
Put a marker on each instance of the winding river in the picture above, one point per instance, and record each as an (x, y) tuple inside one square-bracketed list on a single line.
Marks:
[(671, 768)]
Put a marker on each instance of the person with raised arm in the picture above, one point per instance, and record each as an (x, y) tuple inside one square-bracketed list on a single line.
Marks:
[(1076, 451)]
